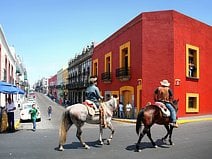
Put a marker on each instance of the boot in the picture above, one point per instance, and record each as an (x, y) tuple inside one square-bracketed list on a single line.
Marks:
[(175, 125)]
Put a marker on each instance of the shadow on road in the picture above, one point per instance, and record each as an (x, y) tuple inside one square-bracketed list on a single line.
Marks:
[(145, 145)]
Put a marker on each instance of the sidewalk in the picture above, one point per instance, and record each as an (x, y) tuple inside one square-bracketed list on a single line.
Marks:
[(182, 120)]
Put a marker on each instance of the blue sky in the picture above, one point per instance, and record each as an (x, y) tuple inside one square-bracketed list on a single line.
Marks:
[(48, 33)]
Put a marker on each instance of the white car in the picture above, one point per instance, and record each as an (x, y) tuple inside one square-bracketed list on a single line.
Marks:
[(31, 100), (25, 115)]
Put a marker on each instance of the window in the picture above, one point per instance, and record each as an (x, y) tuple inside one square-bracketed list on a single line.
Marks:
[(125, 55), (192, 102), (108, 62), (95, 67), (192, 61)]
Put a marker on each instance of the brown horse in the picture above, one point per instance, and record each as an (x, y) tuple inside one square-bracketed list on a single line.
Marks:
[(78, 115), (148, 116)]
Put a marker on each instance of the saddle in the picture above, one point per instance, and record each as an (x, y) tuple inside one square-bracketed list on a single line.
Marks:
[(91, 106), (163, 108)]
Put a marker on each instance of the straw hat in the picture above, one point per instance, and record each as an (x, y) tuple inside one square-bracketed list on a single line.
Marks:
[(165, 83)]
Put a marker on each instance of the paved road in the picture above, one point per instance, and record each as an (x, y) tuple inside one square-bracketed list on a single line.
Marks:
[(192, 141), (43, 102)]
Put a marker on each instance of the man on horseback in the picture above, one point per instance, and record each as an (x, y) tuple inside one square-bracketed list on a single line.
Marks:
[(164, 94), (92, 93)]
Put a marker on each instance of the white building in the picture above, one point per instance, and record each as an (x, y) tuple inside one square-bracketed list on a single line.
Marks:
[(8, 66)]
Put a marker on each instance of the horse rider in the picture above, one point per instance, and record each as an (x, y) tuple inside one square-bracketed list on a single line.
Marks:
[(92, 93), (164, 94)]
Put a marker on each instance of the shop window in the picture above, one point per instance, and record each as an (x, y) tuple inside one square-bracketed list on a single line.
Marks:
[(192, 102), (192, 61)]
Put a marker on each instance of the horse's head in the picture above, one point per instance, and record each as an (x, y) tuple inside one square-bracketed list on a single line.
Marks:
[(113, 102), (175, 104)]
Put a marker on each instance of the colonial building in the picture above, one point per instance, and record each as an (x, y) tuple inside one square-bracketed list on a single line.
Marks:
[(152, 47), (11, 68), (52, 91), (79, 71)]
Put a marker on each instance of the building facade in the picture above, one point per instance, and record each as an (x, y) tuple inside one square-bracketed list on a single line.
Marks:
[(79, 71), (11, 68), (52, 90), (152, 47)]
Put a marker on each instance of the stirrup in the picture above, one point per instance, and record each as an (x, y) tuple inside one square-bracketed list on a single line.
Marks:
[(175, 125)]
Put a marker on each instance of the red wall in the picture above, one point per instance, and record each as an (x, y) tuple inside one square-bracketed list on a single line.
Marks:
[(158, 51), (193, 32), (112, 44)]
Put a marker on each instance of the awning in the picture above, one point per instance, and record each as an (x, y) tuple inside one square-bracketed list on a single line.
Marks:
[(8, 88)]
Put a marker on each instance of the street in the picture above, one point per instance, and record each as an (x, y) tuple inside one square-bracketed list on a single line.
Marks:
[(192, 140)]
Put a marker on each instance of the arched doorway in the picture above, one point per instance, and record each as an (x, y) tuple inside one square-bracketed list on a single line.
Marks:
[(127, 96)]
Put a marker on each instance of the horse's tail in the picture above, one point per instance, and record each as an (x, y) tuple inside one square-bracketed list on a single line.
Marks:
[(66, 123), (138, 121)]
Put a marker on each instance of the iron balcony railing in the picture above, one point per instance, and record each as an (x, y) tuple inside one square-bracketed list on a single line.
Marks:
[(106, 77), (123, 73)]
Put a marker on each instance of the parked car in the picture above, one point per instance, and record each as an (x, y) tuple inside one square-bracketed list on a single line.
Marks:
[(24, 113), (31, 100)]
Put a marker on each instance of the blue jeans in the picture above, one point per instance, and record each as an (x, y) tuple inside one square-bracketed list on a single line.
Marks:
[(34, 123), (11, 122), (172, 112)]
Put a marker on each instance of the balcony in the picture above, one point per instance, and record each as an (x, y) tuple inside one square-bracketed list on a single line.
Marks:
[(123, 74), (106, 77)]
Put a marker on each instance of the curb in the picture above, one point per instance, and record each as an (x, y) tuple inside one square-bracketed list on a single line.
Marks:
[(179, 121)]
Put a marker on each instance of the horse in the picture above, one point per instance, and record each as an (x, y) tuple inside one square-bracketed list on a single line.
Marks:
[(148, 116), (78, 114)]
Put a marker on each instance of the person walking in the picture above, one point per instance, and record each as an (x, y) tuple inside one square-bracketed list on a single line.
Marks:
[(10, 107), (33, 113), (50, 112)]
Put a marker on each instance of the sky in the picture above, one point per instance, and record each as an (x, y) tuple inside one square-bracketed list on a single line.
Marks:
[(46, 34)]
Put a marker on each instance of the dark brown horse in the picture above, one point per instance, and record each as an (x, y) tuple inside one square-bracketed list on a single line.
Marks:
[(148, 116)]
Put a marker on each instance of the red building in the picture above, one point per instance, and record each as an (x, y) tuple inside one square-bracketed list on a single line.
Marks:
[(156, 46), (52, 87)]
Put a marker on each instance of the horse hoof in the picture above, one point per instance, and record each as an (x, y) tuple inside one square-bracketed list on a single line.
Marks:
[(137, 150), (156, 146), (108, 142), (101, 143), (87, 147), (172, 144), (61, 149)]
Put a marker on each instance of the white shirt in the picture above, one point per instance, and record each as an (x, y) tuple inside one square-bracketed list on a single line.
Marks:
[(121, 107), (128, 107), (10, 107)]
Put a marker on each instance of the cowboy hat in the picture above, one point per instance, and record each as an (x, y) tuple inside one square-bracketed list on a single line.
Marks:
[(165, 83)]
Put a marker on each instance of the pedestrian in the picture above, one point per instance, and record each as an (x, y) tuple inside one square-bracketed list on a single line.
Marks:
[(128, 110), (121, 110), (19, 102), (10, 107), (50, 112), (164, 94), (33, 113)]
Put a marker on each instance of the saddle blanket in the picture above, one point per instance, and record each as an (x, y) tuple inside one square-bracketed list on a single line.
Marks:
[(91, 108), (163, 108)]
